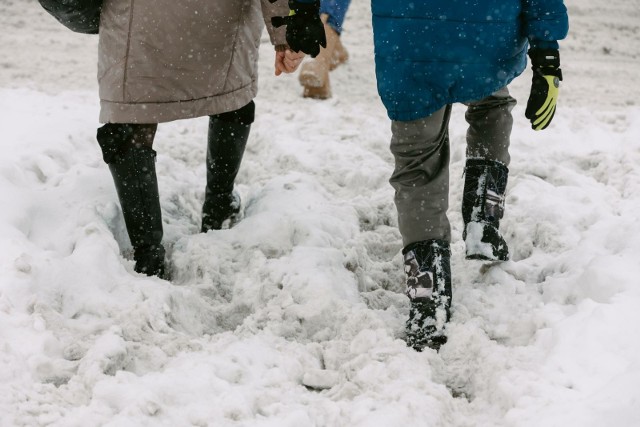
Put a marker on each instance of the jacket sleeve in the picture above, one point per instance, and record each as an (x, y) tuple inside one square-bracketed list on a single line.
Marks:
[(270, 10), (545, 22)]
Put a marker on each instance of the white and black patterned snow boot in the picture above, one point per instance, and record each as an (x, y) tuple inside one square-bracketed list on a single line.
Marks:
[(428, 268), (485, 185)]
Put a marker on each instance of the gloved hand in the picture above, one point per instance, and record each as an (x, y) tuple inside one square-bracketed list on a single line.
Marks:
[(305, 31), (545, 85)]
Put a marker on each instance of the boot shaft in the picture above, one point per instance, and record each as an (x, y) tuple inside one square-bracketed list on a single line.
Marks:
[(133, 169), (482, 209), (226, 143), (428, 269), (134, 176), (484, 191)]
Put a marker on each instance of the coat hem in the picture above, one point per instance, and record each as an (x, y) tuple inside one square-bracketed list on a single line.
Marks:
[(410, 115), (161, 112)]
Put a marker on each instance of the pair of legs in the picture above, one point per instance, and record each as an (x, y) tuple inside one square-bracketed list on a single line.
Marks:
[(421, 183), (128, 150), (314, 75)]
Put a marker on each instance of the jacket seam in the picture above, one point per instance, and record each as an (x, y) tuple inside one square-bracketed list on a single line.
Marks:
[(438, 61), (235, 41), (179, 101), (126, 57), (461, 21)]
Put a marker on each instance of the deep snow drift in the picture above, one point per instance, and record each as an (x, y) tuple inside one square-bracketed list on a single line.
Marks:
[(295, 316)]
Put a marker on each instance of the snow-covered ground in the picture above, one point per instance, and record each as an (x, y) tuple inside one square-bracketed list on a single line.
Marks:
[(295, 316)]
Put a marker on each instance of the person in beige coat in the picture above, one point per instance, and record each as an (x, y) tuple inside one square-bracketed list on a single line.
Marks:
[(164, 60)]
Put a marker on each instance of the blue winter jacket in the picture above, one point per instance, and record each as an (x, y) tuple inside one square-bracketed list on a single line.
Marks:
[(430, 53)]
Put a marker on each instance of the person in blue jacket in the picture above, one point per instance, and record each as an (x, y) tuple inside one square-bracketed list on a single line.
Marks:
[(428, 55)]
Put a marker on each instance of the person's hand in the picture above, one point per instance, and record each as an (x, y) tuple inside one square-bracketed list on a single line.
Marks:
[(287, 61), (305, 30), (545, 87)]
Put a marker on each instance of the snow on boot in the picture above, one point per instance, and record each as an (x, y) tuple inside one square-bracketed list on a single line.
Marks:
[(427, 265), (482, 208), (150, 260), (227, 139), (314, 78), (314, 74), (219, 208), (134, 175)]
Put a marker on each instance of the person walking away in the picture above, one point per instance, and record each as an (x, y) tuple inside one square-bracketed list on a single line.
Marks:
[(161, 60), (429, 55), (314, 74)]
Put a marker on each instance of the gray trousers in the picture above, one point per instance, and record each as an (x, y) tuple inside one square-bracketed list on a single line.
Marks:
[(421, 151)]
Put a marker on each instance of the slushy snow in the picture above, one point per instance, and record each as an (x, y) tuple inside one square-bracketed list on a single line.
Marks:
[(295, 316)]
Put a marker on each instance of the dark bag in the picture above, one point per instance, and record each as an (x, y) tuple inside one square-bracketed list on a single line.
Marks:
[(81, 16)]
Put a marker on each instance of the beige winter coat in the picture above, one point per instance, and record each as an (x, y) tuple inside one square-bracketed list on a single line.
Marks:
[(163, 60)]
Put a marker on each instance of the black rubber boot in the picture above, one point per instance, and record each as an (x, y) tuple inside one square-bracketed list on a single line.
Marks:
[(427, 265), (482, 208), (227, 139), (134, 174)]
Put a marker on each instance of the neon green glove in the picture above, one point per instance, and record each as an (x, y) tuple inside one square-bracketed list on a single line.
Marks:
[(545, 87)]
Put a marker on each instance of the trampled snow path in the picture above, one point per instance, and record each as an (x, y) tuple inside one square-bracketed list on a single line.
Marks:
[(307, 288)]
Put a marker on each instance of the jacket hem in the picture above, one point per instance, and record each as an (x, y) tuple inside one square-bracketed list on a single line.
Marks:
[(161, 112), (416, 114)]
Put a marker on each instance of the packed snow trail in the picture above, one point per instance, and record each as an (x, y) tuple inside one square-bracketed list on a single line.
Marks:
[(307, 288)]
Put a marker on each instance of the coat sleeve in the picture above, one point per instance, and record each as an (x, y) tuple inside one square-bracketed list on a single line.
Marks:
[(270, 10), (545, 21)]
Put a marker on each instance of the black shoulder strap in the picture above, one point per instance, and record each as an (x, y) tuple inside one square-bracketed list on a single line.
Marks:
[(81, 16)]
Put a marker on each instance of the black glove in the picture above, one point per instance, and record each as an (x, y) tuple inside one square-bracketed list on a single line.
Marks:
[(545, 87), (305, 31)]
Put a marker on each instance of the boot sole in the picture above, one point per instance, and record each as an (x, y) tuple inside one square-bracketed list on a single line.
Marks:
[(481, 257), (433, 343), (316, 93)]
